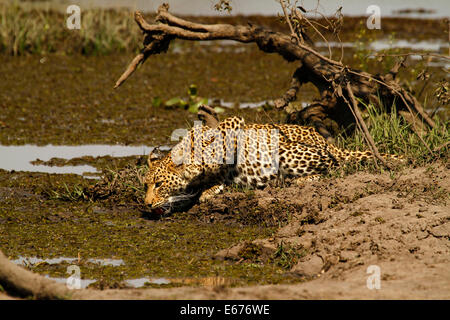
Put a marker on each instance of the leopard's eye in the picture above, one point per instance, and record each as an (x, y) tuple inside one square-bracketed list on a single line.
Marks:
[(158, 184)]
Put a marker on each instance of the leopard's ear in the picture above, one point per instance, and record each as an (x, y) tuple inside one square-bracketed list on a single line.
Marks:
[(177, 156), (153, 156)]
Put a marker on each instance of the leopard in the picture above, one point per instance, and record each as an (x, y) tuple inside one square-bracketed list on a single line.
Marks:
[(251, 155)]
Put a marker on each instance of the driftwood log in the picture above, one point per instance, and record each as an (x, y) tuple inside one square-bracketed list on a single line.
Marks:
[(23, 283), (341, 88)]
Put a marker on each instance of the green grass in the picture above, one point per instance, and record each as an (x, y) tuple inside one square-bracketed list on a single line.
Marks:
[(286, 256), (40, 31), (66, 193), (394, 136)]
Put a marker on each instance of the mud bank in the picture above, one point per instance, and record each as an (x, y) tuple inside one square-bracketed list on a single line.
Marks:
[(331, 231)]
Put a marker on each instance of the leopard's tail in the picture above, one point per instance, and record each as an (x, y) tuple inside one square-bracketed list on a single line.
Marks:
[(345, 156)]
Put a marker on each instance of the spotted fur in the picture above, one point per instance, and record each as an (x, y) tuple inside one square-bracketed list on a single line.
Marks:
[(205, 160)]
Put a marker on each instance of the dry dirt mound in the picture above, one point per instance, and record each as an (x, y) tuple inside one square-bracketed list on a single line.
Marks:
[(400, 224)]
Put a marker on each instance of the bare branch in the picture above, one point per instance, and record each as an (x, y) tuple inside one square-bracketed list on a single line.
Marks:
[(139, 59), (362, 124), (298, 37), (291, 93), (24, 283), (324, 73)]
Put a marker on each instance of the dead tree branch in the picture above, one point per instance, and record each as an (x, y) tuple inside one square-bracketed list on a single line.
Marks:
[(291, 93), (328, 75), (20, 282), (362, 124)]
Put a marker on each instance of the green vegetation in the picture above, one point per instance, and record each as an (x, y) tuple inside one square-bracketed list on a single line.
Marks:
[(394, 136), (191, 104), (286, 256), (74, 193), (40, 31)]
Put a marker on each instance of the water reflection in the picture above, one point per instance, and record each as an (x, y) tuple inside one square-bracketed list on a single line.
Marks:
[(35, 260)]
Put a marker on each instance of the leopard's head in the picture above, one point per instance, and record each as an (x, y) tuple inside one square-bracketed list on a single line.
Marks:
[(166, 185)]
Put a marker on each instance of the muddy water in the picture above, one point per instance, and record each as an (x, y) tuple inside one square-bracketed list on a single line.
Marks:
[(34, 260), (23, 158), (69, 100), (112, 243)]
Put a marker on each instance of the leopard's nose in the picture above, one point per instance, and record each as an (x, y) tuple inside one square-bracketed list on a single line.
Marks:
[(148, 201)]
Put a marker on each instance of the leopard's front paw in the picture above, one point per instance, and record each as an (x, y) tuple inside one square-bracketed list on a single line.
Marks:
[(210, 193), (303, 180)]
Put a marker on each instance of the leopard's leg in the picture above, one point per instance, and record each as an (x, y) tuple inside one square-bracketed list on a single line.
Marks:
[(302, 180), (211, 192)]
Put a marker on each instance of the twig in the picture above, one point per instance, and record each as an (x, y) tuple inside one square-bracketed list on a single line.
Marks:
[(300, 16), (366, 132), (139, 59), (399, 94), (442, 146), (288, 20)]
